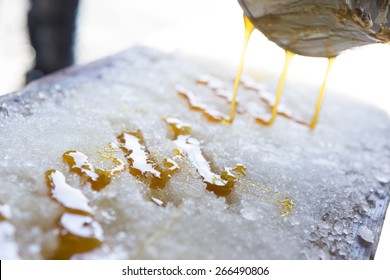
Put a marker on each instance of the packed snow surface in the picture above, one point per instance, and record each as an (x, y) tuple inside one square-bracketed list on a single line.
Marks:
[(304, 194)]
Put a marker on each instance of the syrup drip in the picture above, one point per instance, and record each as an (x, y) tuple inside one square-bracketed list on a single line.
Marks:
[(249, 27), (274, 112), (78, 231), (98, 178), (221, 185), (145, 168), (321, 95), (284, 111), (197, 105), (281, 109), (218, 88)]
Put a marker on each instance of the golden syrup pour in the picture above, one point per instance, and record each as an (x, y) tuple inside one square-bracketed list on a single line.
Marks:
[(249, 27), (268, 99), (78, 231), (321, 94), (281, 109), (145, 168), (197, 105), (98, 178), (217, 87), (274, 112), (221, 185)]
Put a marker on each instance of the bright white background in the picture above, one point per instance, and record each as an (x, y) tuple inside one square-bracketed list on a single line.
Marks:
[(210, 29)]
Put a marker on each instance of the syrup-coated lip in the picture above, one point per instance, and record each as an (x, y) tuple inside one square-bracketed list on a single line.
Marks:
[(307, 36)]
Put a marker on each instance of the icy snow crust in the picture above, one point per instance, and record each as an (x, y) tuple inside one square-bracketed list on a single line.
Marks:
[(337, 175)]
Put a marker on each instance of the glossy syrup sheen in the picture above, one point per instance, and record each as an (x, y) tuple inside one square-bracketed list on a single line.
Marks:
[(78, 232), (2, 216), (321, 94), (145, 167), (221, 185), (197, 105), (8, 245), (282, 201), (249, 27), (69, 197), (98, 178), (282, 81)]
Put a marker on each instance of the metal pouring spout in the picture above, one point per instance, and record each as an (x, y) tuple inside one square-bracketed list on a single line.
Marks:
[(320, 28)]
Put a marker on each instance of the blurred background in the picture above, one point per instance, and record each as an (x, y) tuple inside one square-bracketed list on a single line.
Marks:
[(207, 29)]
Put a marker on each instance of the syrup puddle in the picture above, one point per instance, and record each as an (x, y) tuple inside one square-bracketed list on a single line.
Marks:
[(77, 234), (146, 168), (98, 178), (197, 105), (221, 185), (9, 248), (78, 231), (262, 115), (71, 198)]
